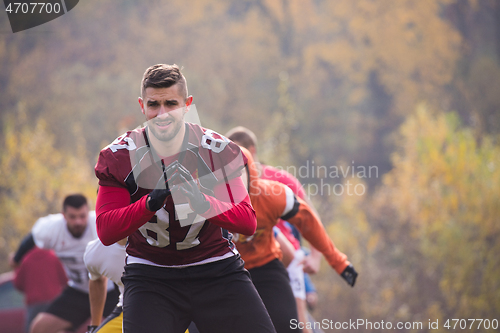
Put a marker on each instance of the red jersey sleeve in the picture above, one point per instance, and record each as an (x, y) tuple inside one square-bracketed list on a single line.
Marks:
[(232, 210), (116, 217), (284, 177)]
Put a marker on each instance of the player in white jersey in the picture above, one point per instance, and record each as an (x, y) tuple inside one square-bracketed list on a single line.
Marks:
[(105, 262), (67, 234)]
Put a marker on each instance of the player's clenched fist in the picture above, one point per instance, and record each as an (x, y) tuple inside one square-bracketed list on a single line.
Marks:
[(157, 198), (190, 189), (349, 274)]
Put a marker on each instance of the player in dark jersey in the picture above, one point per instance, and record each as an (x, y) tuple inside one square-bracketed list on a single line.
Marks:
[(174, 189)]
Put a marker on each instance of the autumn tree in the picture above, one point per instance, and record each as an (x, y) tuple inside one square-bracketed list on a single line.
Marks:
[(452, 208), (426, 241), (35, 178)]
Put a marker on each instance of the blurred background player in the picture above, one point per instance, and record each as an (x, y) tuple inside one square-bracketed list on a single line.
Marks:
[(287, 249), (261, 253), (106, 262), (67, 234), (41, 277), (301, 263), (311, 293)]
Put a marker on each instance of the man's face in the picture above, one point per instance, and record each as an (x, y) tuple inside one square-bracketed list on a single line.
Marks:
[(164, 109), (76, 219)]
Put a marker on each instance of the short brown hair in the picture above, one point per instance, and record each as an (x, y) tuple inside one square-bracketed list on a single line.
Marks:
[(164, 76), (242, 136)]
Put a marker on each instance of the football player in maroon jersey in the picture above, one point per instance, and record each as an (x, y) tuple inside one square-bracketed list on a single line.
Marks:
[(174, 189)]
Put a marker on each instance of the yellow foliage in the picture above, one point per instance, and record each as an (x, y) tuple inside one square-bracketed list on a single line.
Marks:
[(35, 178), (442, 182), (426, 243), (397, 40)]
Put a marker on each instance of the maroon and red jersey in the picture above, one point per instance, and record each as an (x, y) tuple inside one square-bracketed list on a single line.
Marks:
[(175, 235)]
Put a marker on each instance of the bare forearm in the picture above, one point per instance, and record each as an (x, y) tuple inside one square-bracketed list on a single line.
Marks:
[(97, 297), (313, 261), (287, 249)]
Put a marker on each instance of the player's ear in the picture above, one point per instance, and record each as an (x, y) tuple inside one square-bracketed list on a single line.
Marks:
[(189, 101), (141, 103)]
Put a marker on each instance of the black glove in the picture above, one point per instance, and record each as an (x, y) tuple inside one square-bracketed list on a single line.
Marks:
[(190, 189), (91, 328), (156, 199), (349, 274)]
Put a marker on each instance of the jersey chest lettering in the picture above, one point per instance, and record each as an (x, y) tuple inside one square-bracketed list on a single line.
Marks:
[(75, 268), (115, 145), (213, 141), (157, 231)]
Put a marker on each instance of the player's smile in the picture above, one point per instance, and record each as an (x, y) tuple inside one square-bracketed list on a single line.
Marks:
[(164, 109), (162, 124), (166, 126)]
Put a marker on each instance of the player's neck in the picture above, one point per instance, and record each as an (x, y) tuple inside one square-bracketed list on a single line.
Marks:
[(168, 148)]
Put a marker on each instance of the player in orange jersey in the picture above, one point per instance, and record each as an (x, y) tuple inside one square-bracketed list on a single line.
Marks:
[(261, 253)]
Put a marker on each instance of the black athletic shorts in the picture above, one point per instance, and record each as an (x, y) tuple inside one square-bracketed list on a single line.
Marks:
[(273, 284), (74, 306), (217, 297)]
